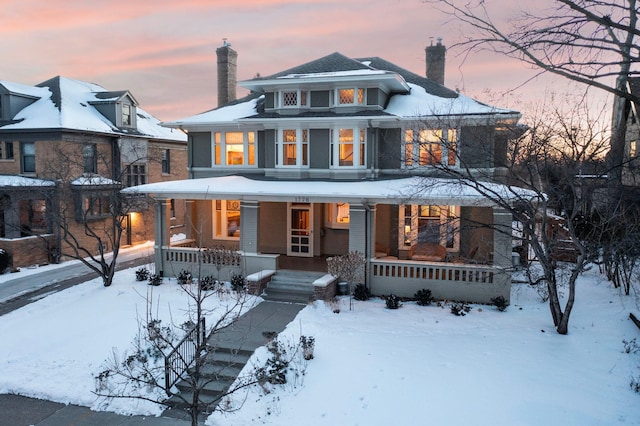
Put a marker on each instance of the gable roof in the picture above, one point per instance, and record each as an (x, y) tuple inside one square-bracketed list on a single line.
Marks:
[(67, 104)]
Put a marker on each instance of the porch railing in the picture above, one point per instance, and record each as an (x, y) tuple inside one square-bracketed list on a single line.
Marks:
[(183, 355), (446, 281)]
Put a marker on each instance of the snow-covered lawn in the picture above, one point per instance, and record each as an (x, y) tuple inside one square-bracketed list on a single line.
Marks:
[(372, 366)]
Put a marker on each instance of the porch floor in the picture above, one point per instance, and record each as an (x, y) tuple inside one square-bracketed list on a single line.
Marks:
[(316, 263)]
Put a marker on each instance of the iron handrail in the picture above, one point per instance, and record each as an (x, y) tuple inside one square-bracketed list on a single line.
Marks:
[(183, 354)]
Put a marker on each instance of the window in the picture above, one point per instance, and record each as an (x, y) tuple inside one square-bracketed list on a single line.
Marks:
[(430, 147), (136, 174), (166, 162), (351, 96), (430, 224), (293, 147), (126, 115), (33, 217), (633, 148), (1, 145), (337, 215), (28, 161), (89, 159), (347, 150), (172, 208), (234, 148), (8, 150), (95, 206), (226, 223), (293, 98)]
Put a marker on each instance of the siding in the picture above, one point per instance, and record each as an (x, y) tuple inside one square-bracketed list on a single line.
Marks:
[(476, 147), (200, 144), (319, 148), (320, 99)]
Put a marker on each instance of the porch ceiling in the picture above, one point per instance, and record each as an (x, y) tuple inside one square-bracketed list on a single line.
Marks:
[(415, 190)]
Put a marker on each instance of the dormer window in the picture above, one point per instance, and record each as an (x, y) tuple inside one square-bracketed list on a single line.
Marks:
[(126, 115), (293, 99), (351, 96)]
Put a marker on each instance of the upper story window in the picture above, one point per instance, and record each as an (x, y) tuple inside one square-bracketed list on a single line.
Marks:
[(430, 147), (126, 115), (136, 174), (633, 148), (90, 159), (28, 157), (234, 148), (351, 96), (348, 147), (8, 151), (293, 98), (292, 148), (166, 161)]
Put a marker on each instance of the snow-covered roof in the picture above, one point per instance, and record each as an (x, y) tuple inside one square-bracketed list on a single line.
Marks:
[(93, 180), (413, 96), (64, 103), (21, 181), (391, 191)]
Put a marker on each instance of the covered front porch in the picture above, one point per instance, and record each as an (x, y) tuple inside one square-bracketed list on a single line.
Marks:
[(272, 226)]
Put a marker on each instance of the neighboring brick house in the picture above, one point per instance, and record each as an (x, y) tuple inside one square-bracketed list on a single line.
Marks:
[(65, 145), (342, 154), (631, 168)]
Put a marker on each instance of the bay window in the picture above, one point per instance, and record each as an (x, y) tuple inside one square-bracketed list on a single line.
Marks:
[(293, 98)]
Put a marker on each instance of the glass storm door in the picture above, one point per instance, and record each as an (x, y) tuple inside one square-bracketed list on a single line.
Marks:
[(299, 229)]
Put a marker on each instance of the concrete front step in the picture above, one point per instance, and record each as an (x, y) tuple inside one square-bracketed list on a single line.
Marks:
[(292, 286)]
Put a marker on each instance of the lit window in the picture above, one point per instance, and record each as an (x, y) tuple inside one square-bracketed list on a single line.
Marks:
[(633, 148), (347, 150), (337, 215), (234, 148), (430, 147), (345, 96), (293, 147), (430, 224), (226, 219)]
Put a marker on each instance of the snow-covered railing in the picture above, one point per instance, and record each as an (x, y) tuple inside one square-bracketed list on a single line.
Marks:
[(183, 354)]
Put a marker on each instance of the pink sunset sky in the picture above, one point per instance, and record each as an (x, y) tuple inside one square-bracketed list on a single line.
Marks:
[(163, 51)]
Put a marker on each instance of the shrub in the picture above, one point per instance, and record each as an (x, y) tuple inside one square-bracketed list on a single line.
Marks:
[(238, 283), (631, 346), (184, 277), (392, 301), (275, 369), (208, 283), (5, 260), (361, 292), (423, 297), (308, 345), (460, 309), (142, 274), (155, 279), (500, 303)]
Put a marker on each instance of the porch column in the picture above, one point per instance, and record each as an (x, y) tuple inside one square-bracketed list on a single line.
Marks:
[(502, 238), (161, 232), (362, 228), (249, 229)]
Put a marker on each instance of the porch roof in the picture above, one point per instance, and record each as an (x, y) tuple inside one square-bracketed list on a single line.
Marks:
[(416, 190)]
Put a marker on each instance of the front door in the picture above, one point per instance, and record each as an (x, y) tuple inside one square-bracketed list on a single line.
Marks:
[(300, 230)]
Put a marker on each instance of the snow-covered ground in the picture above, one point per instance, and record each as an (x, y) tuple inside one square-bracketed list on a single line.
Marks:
[(372, 366)]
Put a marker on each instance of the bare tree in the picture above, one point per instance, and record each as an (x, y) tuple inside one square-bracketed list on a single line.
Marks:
[(548, 160), (591, 42)]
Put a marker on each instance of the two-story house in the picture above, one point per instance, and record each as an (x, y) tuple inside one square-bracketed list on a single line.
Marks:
[(64, 146), (343, 154)]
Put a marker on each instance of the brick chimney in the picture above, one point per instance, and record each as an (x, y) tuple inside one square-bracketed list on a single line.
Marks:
[(435, 61), (227, 73)]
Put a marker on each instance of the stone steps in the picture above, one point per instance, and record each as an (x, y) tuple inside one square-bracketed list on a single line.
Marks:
[(292, 286)]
